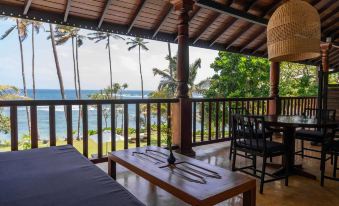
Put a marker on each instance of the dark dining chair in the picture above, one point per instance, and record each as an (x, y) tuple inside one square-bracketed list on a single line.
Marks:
[(249, 139), (331, 146), (313, 134)]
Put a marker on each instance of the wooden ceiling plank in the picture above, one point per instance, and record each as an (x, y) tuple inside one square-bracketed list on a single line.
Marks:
[(326, 6), (108, 3), (223, 9), (68, 8), (258, 46), (27, 5), (163, 20), (237, 34), (250, 40), (137, 13), (206, 26), (330, 14), (230, 24)]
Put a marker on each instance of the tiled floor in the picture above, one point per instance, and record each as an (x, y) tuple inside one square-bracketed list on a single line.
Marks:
[(300, 192)]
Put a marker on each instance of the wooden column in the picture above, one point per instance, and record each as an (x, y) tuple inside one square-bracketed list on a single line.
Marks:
[(182, 111), (325, 49), (274, 105)]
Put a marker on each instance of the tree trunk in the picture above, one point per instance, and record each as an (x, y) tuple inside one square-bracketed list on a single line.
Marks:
[(23, 75), (170, 58), (79, 85), (110, 64), (142, 81), (33, 62), (75, 70)]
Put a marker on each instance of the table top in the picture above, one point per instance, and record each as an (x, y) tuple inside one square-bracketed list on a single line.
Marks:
[(298, 121), (189, 179)]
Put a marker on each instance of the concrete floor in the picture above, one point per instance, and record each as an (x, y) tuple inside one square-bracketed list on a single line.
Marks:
[(301, 191)]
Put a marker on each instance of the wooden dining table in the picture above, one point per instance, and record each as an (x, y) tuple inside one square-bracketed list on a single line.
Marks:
[(288, 125)]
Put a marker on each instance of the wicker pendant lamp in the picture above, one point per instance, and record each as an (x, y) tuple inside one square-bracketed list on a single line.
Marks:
[(293, 32)]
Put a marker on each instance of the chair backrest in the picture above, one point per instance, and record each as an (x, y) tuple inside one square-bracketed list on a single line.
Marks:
[(248, 130), (328, 114)]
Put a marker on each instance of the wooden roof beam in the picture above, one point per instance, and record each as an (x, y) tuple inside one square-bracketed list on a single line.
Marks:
[(237, 34), (137, 13), (163, 20), (27, 5), (258, 46), (108, 3), (223, 9), (68, 8)]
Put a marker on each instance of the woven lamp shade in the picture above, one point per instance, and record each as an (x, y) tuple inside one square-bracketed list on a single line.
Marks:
[(293, 32)]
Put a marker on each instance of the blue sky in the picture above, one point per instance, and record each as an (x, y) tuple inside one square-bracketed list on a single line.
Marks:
[(94, 67)]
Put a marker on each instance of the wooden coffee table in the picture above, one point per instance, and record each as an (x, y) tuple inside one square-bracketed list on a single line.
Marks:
[(191, 180)]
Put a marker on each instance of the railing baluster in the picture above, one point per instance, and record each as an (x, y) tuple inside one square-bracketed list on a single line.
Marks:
[(252, 105), (69, 124), (217, 120), (262, 107), (158, 124), (14, 127), (85, 130), (288, 107), (202, 121), (248, 106), (267, 106), (52, 131), (223, 119), (137, 124), (194, 120), (209, 121), (148, 124), (99, 121), (258, 105), (125, 126), (229, 118), (113, 128), (34, 127), (169, 115)]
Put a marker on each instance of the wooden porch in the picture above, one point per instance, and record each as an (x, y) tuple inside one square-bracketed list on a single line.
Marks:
[(301, 191)]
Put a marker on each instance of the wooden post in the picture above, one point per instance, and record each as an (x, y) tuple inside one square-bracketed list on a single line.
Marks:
[(325, 48), (274, 105), (182, 111)]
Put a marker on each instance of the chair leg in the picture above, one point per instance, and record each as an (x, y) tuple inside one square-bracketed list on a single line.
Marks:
[(335, 165), (254, 161), (302, 149), (322, 167), (234, 158), (231, 149), (262, 178), (287, 172)]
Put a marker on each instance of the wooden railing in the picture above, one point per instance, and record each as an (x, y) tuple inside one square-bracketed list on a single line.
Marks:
[(154, 107), (211, 117), (296, 105), (210, 120)]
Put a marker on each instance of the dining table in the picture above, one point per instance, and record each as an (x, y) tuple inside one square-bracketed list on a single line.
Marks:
[(288, 125)]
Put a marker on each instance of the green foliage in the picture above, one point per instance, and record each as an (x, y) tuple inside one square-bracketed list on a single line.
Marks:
[(237, 75), (26, 141), (297, 80)]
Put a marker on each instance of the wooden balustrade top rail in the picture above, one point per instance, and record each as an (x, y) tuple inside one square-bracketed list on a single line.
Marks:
[(6, 103)]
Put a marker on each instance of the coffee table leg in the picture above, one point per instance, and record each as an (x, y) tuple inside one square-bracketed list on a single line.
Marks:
[(249, 197), (112, 170)]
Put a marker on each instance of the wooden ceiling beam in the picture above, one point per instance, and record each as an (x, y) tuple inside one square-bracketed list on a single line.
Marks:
[(330, 14), (68, 8), (103, 14), (137, 13), (223, 9), (326, 6), (258, 46), (237, 34), (27, 5), (163, 20)]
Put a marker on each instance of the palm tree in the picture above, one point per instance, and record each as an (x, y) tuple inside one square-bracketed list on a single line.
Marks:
[(56, 59), (35, 29), (100, 36), (22, 28), (141, 44), (169, 82), (63, 34)]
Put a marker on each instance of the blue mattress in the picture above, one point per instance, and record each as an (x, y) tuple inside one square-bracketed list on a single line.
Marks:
[(58, 176)]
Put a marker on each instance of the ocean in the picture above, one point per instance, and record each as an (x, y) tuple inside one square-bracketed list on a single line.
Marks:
[(51, 94)]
